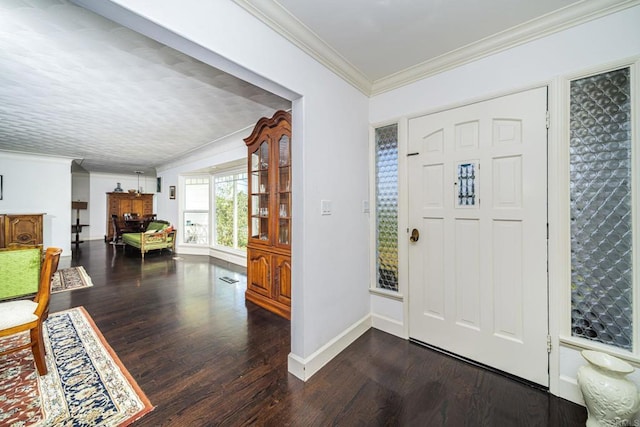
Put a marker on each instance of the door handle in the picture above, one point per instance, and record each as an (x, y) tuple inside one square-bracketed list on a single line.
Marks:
[(415, 235)]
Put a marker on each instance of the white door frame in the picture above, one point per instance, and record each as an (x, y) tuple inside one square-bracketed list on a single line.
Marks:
[(399, 325)]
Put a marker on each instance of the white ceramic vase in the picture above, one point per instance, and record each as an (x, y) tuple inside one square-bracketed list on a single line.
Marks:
[(611, 398)]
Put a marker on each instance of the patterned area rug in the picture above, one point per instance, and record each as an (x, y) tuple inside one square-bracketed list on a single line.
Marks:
[(87, 385), (67, 279)]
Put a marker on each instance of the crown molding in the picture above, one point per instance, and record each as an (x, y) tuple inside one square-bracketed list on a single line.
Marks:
[(545, 25), (284, 23), (280, 20), (26, 155)]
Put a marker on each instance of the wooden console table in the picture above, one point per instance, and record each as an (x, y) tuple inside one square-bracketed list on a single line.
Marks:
[(77, 227)]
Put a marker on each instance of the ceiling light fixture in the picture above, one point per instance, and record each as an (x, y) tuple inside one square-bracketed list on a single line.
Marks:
[(138, 191)]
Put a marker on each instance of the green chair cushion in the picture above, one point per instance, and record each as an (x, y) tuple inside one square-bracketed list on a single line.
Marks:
[(19, 272)]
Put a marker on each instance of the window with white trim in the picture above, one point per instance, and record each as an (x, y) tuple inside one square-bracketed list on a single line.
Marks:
[(231, 214), (196, 210)]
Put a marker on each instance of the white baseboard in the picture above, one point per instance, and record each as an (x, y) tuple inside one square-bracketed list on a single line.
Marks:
[(388, 325), (568, 389), (232, 258), (192, 250), (305, 368)]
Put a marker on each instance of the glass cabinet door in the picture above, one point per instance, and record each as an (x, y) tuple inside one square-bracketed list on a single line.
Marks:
[(260, 192), (284, 191)]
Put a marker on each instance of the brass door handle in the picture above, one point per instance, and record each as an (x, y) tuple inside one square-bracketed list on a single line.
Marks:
[(415, 235)]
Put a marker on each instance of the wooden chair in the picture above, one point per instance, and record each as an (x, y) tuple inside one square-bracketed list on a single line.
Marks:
[(25, 315), (148, 218), (118, 231)]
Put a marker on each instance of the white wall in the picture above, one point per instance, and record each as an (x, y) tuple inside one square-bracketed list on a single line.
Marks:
[(330, 139), (612, 38), (37, 184), (103, 183)]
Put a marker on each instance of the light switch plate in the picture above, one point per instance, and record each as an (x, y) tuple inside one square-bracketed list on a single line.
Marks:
[(365, 206), (325, 207)]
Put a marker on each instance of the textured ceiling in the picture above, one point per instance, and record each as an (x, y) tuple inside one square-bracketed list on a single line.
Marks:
[(74, 84)]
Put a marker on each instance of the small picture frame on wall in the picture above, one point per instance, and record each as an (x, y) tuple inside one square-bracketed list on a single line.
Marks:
[(159, 184), (1, 184), (172, 192)]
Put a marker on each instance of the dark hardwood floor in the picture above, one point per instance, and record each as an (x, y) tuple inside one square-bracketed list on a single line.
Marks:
[(206, 357)]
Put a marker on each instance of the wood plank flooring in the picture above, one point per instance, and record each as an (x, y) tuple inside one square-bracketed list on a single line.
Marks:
[(205, 357)]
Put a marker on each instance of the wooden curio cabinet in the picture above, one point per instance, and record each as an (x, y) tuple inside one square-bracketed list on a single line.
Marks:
[(269, 246)]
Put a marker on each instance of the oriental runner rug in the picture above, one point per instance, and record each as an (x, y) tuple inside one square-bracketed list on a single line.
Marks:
[(86, 385), (68, 279)]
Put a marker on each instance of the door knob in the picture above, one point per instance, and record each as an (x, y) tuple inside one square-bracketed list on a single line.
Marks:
[(415, 235)]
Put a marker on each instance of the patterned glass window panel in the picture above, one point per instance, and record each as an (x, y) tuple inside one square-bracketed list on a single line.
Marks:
[(601, 240), (387, 207)]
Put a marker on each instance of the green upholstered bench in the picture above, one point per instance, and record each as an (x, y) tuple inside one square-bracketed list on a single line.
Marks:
[(159, 235), (19, 271)]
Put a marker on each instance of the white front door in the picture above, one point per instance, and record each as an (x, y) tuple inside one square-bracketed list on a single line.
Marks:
[(478, 198)]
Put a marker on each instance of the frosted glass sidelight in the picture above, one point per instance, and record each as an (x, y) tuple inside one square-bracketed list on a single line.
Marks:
[(387, 207), (601, 239)]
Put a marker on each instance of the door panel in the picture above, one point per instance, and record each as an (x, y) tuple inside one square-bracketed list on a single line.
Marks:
[(259, 267), (434, 301), (467, 273), (507, 273), (283, 278), (477, 280)]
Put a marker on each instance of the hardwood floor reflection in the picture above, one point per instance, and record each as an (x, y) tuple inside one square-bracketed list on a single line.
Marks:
[(206, 357)]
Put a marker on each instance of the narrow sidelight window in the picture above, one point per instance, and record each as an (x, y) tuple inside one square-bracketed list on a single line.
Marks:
[(386, 151), (601, 208)]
